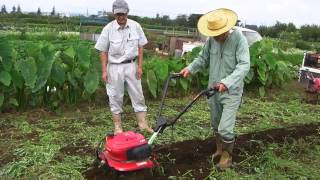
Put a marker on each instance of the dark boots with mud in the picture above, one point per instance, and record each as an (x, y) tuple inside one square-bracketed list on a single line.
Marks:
[(219, 147), (226, 155)]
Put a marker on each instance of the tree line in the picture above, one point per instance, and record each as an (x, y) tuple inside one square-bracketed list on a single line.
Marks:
[(17, 10), (286, 31), (291, 32)]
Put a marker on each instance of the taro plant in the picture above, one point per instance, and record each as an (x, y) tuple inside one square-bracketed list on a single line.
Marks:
[(6, 77), (202, 77), (268, 67), (157, 70), (44, 73)]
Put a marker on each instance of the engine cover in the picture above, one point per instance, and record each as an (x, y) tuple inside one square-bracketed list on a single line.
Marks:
[(127, 146)]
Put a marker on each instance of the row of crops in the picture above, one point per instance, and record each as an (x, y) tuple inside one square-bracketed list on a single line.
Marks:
[(37, 72), (34, 73), (271, 65)]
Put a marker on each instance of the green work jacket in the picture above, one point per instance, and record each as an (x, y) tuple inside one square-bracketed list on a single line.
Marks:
[(228, 62)]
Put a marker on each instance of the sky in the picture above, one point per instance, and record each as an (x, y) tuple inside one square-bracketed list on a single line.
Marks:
[(258, 12)]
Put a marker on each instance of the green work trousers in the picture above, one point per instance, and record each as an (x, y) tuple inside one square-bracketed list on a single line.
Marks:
[(223, 110)]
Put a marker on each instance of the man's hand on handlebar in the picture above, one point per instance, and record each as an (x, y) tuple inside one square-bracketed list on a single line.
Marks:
[(185, 72), (220, 87)]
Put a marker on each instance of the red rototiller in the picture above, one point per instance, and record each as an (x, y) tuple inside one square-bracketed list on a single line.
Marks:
[(130, 151)]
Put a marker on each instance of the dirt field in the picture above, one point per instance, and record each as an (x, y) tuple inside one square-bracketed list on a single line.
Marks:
[(193, 155)]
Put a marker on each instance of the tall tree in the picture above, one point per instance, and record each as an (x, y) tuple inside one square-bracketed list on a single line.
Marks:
[(39, 11), (3, 9), (181, 20), (13, 10), (19, 9), (310, 32), (165, 20), (291, 27), (280, 27), (193, 20), (53, 12)]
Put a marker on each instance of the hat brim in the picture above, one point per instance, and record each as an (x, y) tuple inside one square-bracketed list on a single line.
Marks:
[(203, 22), (120, 10)]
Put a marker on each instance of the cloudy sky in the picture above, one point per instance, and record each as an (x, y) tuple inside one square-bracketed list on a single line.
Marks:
[(259, 12)]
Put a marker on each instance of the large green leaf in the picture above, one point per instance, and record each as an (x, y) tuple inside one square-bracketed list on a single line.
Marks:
[(70, 52), (282, 66), (262, 71), (5, 78), (255, 50), (1, 99), (84, 57), (152, 82), (14, 102), (184, 83), (282, 70), (14, 55), (17, 79), (44, 64), (33, 49), (72, 80), (77, 73), (266, 46), (58, 74), (48, 51), (161, 69), (175, 65), (91, 81), (41, 82), (6, 63), (270, 61), (6, 53), (28, 69)]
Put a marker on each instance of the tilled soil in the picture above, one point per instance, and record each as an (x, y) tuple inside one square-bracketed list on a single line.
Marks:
[(194, 156)]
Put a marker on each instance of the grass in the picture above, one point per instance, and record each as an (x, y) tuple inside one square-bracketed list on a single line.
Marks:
[(39, 144), (292, 160)]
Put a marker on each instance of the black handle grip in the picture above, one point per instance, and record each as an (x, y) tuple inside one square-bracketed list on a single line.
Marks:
[(176, 75), (210, 92)]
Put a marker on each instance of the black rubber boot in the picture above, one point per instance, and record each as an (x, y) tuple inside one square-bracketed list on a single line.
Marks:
[(219, 146), (226, 156)]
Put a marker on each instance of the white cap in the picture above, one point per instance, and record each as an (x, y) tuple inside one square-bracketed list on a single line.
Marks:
[(120, 6)]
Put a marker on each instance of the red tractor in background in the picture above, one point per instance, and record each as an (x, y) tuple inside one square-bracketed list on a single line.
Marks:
[(309, 73)]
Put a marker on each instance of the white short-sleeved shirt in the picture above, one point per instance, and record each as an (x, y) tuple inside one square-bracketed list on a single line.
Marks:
[(121, 43)]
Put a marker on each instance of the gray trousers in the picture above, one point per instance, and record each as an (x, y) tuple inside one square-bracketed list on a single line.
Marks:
[(121, 76), (223, 110)]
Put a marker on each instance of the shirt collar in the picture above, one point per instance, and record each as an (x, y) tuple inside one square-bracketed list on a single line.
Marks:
[(117, 26)]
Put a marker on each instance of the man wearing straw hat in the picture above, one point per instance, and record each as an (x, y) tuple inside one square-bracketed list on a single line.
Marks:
[(226, 53)]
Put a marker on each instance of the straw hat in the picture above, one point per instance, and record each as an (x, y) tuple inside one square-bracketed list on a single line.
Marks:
[(217, 22)]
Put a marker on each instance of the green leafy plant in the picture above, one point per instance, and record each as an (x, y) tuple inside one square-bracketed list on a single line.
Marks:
[(45, 73), (267, 66)]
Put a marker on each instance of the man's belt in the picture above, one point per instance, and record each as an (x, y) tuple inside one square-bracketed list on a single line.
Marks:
[(128, 61)]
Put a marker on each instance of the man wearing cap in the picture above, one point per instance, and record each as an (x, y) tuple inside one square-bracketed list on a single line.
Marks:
[(226, 53), (121, 54)]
